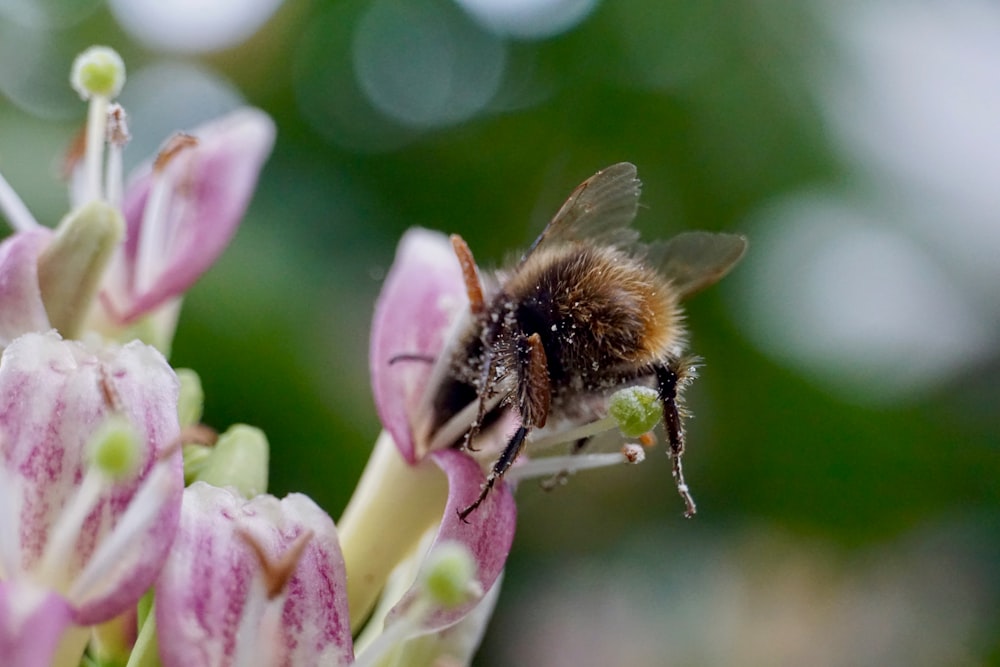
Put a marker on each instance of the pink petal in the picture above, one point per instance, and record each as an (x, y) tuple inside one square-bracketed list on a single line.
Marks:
[(212, 185), (421, 297), (31, 622), (53, 395), (488, 532), (21, 307), (203, 590)]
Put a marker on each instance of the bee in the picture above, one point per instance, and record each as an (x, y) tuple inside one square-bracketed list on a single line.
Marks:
[(587, 310)]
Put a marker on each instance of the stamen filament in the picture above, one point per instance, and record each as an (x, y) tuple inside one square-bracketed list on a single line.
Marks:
[(554, 465), (97, 123), (113, 178), (14, 210), (456, 427), (144, 508), (151, 246), (392, 637), (572, 435), (66, 530)]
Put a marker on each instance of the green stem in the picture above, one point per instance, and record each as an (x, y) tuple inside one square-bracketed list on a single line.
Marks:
[(392, 507)]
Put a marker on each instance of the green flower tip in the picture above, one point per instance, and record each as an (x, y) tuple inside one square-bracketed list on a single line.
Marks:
[(115, 448), (192, 397), (636, 409), (449, 575), (98, 71), (239, 459)]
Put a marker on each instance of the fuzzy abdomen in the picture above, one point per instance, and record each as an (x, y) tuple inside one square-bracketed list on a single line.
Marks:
[(597, 310)]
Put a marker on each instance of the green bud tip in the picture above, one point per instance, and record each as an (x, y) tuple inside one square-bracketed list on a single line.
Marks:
[(115, 447), (636, 410), (192, 397), (449, 574), (238, 459), (98, 71)]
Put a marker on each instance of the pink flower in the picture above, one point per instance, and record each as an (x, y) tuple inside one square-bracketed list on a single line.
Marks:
[(181, 210), (253, 582), (422, 295), (79, 542), (121, 260)]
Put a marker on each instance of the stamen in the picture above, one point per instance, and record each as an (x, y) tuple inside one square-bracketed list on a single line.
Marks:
[(258, 635), (66, 530), (153, 238), (14, 210), (118, 137), (455, 428), (554, 465), (276, 572), (97, 116), (144, 508), (98, 75), (573, 434)]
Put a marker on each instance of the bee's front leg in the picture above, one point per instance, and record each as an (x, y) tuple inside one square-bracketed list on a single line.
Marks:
[(534, 395)]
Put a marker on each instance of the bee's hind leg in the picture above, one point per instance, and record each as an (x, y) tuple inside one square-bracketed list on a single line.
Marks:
[(671, 377)]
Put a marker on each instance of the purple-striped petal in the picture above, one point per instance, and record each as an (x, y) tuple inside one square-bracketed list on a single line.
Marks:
[(488, 532), (53, 396), (31, 622), (21, 307), (421, 297), (210, 187), (206, 586)]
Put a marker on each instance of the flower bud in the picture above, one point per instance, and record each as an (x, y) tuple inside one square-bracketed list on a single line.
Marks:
[(192, 398), (71, 267), (239, 459)]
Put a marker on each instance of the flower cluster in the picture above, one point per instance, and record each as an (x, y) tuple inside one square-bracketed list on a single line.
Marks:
[(129, 532)]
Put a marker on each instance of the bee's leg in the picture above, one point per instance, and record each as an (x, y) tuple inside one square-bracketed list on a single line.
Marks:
[(500, 467), (560, 477), (533, 399), (670, 378), (483, 393)]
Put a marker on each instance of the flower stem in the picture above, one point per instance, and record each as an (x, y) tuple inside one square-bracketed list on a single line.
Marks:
[(392, 507)]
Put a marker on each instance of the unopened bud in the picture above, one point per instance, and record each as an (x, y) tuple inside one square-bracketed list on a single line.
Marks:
[(238, 459), (192, 397), (72, 266)]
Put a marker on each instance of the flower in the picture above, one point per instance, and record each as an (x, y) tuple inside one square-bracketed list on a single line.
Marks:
[(252, 582), (121, 260), (181, 209), (90, 486)]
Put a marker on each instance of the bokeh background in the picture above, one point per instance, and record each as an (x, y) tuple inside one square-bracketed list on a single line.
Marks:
[(845, 450)]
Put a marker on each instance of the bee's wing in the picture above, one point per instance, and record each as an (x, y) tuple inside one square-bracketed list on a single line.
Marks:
[(600, 209), (692, 261)]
